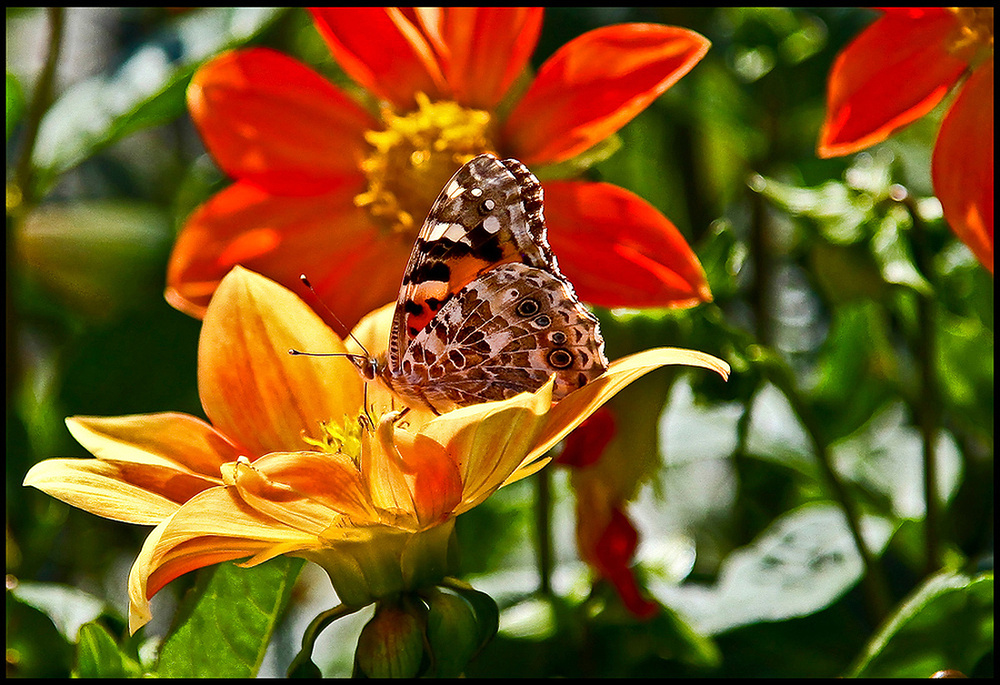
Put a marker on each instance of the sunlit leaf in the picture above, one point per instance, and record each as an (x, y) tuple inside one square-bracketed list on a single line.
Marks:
[(885, 456), (802, 563), (147, 90), (68, 607)]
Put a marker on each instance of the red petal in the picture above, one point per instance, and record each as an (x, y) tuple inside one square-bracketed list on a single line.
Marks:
[(614, 552), (272, 121), (381, 49), (488, 47), (963, 164), (594, 85), (585, 445), (620, 251), (896, 71), (353, 268)]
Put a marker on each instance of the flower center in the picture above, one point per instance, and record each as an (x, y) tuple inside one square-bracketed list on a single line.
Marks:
[(338, 437), (975, 32), (415, 156)]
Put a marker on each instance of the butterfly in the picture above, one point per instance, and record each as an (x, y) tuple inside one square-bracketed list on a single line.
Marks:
[(483, 311)]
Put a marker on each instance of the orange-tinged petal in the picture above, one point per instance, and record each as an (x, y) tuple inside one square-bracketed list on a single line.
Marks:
[(213, 527), (594, 85), (100, 488), (488, 48), (490, 441), (894, 72), (270, 120), (326, 237), (963, 164), (310, 491), (176, 441), (579, 404), (250, 386), (381, 49), (433, 478), (620, 251)]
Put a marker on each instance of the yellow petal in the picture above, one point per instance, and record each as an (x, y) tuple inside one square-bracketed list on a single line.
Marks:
[(98, 487), (214, 526), (311, 491), (250, 386), (578, 405), (490, 441), (178, 441)]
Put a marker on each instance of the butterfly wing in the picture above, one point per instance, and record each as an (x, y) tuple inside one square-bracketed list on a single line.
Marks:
[(506, 332), (489, 213)]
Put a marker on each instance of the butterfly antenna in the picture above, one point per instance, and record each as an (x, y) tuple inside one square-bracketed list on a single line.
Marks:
[(307, 284)]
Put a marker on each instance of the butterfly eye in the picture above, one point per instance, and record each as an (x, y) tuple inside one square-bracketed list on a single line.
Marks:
[(527, 307), (560, 358)]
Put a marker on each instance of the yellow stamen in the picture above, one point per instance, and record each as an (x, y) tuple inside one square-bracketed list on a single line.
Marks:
[(338, 438), (415, 155)]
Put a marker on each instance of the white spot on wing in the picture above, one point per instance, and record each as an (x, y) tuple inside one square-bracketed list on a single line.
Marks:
[(455, 233), (491, 224), (446, 231)]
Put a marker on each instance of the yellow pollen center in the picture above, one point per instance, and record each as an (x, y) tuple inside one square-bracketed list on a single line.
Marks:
[(415, 156), (974, 38), (338, 437)]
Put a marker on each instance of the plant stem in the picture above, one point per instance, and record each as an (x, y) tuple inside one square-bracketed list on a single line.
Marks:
[(40, 101), (926, 402), (20, 195), (317, 626), (873, 582)]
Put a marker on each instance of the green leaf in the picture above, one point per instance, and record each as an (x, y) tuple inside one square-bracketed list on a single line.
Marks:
[(946, 624), (147, 90), (15, 103), (99, 656), (802, 563), (226, 621)]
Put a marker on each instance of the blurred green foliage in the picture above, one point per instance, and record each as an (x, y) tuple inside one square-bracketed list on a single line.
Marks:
[(859, 330)]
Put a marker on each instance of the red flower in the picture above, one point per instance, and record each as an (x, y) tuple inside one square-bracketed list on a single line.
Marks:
[(605, 536), (899, 69), (325, 186)]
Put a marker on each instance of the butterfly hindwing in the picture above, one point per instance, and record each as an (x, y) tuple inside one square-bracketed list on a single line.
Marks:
[(506, 332)]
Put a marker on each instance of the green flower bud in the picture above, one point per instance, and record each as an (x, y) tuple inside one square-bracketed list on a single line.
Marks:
[(452, 632), (391, 644)]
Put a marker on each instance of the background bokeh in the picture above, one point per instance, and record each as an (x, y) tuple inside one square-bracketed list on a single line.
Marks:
[(859, 329)]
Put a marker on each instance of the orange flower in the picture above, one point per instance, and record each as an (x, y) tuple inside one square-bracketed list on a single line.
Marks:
[(291, 463), (326, 187), (898, 70)]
